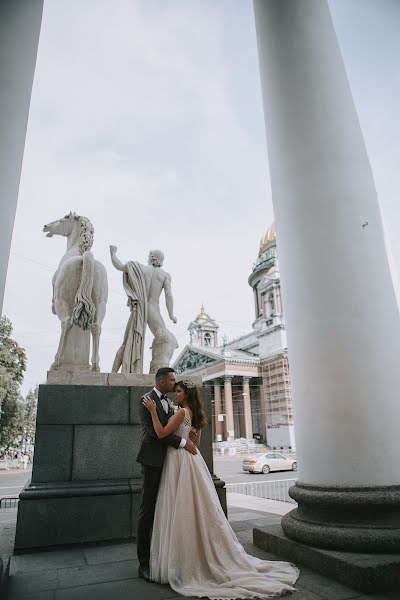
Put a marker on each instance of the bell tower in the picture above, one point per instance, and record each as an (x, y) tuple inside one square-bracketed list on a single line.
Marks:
[(203, 330), (269, 324)]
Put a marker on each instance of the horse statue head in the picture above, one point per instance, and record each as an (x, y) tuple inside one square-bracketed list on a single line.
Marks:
[(73, 225)]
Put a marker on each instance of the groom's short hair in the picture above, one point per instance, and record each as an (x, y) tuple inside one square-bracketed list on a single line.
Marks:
[(163, 372)]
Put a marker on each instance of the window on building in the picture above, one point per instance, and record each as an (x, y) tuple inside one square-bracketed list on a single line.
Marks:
[(271, 302)]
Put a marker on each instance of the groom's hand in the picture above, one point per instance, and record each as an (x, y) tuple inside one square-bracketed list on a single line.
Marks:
[(190, 447)]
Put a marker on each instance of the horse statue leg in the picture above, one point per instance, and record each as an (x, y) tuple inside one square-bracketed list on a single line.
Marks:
[(96, 332), (66, 326), (99, 298)]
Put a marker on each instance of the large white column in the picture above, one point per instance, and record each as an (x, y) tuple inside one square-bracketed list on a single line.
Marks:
[(19, 36), (343, 332), (219, 426), (228, 404), (247, 408)]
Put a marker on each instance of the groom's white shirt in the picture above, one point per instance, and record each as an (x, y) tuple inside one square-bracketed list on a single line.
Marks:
[(166, 409)]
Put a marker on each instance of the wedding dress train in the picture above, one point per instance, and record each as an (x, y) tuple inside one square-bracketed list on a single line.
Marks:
[(193, 547)]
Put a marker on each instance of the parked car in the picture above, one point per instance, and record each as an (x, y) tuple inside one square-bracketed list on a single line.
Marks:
[(272, 461)]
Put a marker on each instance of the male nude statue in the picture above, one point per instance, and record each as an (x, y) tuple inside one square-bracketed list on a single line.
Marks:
[(143, 285)]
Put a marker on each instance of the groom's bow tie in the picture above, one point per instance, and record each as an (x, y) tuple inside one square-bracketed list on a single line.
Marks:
[(164, 397)]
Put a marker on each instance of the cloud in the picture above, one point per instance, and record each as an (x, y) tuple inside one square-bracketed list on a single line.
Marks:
[(146, 117), (136, 122)]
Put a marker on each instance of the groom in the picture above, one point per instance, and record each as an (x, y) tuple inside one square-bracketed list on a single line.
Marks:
[(151, 456)]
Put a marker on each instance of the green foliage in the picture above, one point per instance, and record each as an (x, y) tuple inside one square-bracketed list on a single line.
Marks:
[(11, 418), (12, 356), (12, 367), (6, 382), (28, 414)]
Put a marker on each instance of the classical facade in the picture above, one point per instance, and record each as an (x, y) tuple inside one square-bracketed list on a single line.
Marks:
[(249, 376)]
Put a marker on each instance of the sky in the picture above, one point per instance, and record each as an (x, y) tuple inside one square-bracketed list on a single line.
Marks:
[(146, 116)]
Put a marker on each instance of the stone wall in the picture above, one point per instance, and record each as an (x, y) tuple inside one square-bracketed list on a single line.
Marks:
[(86, 483)]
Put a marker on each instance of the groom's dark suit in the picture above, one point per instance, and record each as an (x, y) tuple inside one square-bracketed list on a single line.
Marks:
[(151, 455)]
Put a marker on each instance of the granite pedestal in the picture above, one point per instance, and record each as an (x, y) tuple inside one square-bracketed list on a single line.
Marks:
[(86, 483)]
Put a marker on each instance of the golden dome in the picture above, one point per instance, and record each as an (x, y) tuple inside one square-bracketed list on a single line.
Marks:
[(269, 236), (203, 316)]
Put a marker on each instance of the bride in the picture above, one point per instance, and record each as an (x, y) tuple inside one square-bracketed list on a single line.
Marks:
[(193, 547)]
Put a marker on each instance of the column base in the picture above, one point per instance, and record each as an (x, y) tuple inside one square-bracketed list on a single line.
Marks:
[(362, 571), (354, 519)]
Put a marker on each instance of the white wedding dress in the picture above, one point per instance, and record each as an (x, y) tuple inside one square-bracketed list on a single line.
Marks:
[(193, 547)]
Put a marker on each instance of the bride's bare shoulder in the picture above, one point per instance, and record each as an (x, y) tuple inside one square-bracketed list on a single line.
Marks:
[(188, 412)]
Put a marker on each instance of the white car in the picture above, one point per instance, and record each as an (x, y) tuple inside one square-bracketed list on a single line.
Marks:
[(272, 461)]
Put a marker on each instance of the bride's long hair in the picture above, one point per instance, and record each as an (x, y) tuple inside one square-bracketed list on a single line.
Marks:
[(199, 419)]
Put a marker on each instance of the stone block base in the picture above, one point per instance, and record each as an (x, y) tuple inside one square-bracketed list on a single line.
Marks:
[(76, 513), (361, 571), (86, 483)]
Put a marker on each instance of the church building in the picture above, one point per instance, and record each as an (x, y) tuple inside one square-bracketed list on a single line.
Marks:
[(249, 376)]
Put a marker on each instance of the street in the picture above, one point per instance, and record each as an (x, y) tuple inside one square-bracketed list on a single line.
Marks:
[(229, 469), (12, 481)]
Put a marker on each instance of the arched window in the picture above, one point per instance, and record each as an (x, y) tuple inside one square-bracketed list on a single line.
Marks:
[(207, 339)]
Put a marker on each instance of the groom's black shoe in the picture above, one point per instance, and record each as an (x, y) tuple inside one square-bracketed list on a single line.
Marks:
[(144, 573)]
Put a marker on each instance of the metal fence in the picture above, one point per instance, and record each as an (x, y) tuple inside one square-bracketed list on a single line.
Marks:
[(276, 489), (8, 502)]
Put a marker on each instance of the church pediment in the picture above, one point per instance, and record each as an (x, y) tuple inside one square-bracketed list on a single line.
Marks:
[(190, 360), (206, 324)]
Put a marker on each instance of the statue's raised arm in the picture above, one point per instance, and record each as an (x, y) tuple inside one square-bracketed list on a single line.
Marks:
[(115, 260)]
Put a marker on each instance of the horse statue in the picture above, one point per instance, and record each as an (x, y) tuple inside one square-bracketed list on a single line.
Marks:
[(80, 287)]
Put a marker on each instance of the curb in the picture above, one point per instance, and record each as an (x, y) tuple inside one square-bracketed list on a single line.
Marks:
[(4, 573)]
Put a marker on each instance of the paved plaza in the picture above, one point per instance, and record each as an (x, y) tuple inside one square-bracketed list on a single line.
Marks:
[(110, 571)]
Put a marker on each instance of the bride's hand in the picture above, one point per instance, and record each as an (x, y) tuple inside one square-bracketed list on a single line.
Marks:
[(149, 404), (193, 435)]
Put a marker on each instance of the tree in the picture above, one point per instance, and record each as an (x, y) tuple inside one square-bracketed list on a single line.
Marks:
[(11, 418), (12, 367), (28, 415), (6, 382), (12, 356)]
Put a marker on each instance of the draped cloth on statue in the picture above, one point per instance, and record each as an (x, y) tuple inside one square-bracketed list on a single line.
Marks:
[(135, 288)]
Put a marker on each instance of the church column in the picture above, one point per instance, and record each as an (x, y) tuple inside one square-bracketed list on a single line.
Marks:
[(343, 357), (230, 427), (263, 409), (279, 309), (219, 425), (267, 306), (275, 303), (247, 408), (19, 38), (242, 423)]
